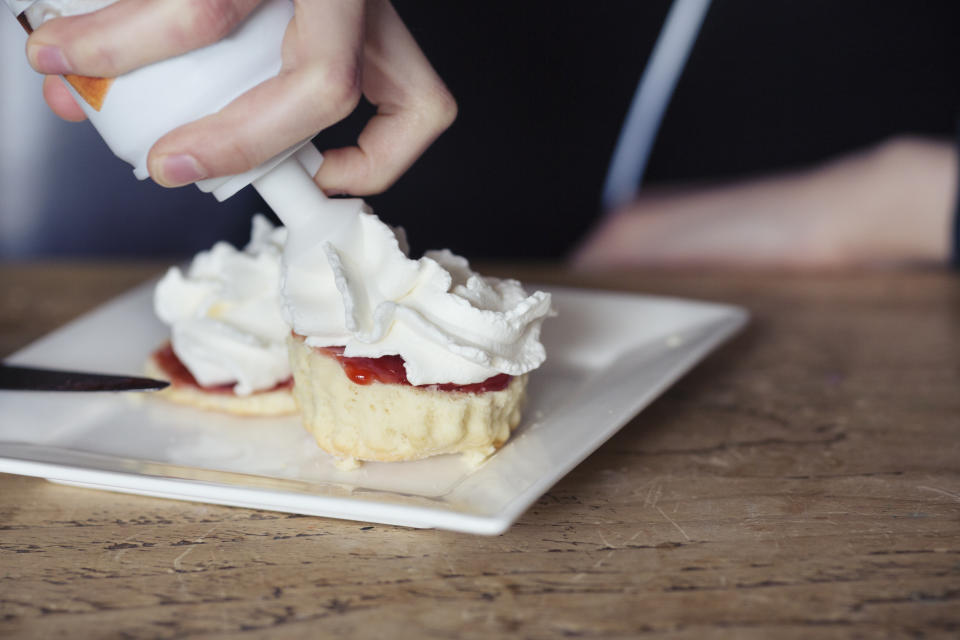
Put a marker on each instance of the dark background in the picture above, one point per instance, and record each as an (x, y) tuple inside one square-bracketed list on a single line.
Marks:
[(543, 87)]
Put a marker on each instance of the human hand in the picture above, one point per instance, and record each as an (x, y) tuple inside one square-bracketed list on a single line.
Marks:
[(886, 206), (334, 51)]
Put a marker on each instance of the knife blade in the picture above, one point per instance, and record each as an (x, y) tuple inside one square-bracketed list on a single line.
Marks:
[(16, 378)]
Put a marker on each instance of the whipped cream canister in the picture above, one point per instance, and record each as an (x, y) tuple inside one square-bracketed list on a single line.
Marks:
[(133, 111)]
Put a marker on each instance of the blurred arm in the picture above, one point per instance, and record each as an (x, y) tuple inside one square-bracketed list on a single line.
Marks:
[(889, 205)]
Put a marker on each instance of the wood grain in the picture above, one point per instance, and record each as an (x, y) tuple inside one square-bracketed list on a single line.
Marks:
[(804, 481)]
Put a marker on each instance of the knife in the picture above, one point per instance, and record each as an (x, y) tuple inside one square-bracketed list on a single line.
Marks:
[(32, 379)]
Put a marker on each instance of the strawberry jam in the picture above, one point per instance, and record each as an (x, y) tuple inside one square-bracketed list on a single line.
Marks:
[(389, 370), (180, 376)]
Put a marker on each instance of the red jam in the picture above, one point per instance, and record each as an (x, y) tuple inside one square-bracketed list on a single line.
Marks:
[(389, 370), (180, 376)]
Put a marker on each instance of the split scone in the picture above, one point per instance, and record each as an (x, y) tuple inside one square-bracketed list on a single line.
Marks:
[(366, 409), (227, 350), (396, 358)]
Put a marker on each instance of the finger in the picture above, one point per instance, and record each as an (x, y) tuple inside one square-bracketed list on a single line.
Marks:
[(386, 148), (60, 100), (130, 34), (413, 108), (318, 86)]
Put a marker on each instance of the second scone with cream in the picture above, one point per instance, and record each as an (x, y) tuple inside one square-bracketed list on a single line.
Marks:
[(227, 349)]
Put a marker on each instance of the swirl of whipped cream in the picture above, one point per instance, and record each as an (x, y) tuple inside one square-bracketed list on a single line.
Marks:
[(356, 287), (225, 316)]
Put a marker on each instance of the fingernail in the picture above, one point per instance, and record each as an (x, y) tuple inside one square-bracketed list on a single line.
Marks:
[(180, 169), (50, 59)]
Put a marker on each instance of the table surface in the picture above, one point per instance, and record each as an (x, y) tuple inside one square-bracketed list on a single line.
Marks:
[(804, 480)]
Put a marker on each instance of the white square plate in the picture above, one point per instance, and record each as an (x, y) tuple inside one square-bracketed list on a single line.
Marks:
[(610, 355)]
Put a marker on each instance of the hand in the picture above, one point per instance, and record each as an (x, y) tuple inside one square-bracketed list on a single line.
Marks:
[(333, 51), (887, 206)]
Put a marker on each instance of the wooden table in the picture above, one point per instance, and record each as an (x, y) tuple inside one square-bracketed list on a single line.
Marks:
[(804, 480)]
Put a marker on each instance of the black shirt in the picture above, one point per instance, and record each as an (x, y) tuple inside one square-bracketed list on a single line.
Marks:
[(543, 87)]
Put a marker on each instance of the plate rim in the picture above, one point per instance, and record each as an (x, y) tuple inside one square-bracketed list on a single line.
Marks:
[(716, 331)]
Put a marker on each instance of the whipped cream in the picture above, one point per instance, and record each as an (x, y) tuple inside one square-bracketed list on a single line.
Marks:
[(225, 313), (352, 284)]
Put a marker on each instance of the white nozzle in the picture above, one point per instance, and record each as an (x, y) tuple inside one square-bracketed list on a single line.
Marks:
[(292, 194), (301, 205), (226, 186), (310, 157)]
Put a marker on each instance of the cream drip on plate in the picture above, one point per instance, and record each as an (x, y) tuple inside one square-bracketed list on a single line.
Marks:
[(225, 313), (352, 284)]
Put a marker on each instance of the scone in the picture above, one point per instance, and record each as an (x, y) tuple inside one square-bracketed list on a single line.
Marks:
[(400, 358), (163, 364), (365, 409)]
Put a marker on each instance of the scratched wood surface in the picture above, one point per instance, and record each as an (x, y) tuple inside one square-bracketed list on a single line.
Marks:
[(804, 481)]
